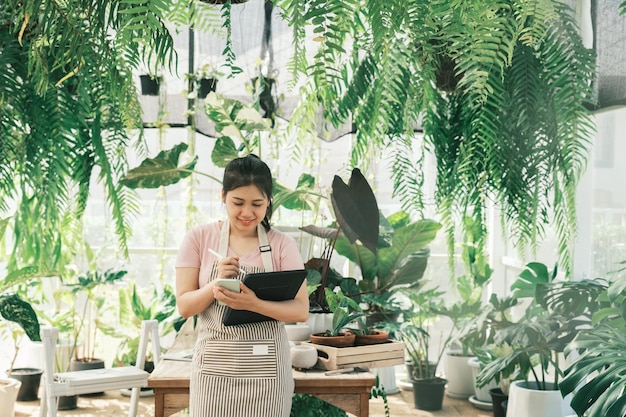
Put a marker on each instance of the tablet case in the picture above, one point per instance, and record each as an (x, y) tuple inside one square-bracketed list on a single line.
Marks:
[(271, 286)]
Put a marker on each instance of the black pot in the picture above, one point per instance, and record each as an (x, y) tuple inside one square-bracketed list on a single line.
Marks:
[(206, 86), (149, 85), (428, 393), (86, 364), (30, 378), (498, 400), (68, 402)]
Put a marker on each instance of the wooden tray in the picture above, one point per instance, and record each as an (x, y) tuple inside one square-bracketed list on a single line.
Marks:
[(371, 356)]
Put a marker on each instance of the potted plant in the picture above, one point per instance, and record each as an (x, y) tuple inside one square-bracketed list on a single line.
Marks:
[(15, 309), (422, 361), (556, 312), (345, 311), (390, 252), (597, 377)]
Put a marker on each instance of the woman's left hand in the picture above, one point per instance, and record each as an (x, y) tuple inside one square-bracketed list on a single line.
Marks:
[(243, 300)]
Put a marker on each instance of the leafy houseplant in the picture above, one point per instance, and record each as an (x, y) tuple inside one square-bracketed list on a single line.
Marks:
[(557, 312), (133, 309), (598, 376), (88, 321), (390, 252), (345, 311)]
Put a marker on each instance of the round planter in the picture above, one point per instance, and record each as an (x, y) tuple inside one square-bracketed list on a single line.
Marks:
[(320, 322), (303, 356), (298, 332), (525, 400), (459, 375), (30, 379), (343, 340), (497, 401), (377, 337), (387, 378), (9, 387), (481, 394), (428, 393)]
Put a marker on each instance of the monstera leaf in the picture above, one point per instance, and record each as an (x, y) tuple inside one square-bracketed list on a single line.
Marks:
[(160, 171), (356, 209)]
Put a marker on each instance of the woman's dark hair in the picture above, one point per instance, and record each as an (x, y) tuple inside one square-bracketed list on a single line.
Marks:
[(250, 170)]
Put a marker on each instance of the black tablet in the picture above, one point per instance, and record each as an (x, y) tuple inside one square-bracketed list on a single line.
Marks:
[(271, 286)]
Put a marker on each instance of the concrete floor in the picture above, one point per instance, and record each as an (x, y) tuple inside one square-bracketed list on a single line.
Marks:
[(113, 404)]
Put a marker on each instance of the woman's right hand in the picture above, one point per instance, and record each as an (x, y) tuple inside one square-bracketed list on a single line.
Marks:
[(228, 267)]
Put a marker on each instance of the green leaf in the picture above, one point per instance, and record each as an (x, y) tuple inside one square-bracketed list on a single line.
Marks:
[(160, 171), (13, 308)]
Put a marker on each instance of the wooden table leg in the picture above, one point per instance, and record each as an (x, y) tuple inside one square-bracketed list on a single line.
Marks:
[(159, 403)]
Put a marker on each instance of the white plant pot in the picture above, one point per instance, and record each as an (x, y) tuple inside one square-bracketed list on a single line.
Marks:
[(387, 378), (320, 322), (481, 394), (524, 401), (459, 375), (9, 388)]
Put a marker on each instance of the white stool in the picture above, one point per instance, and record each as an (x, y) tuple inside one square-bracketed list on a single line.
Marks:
[(96, 380)]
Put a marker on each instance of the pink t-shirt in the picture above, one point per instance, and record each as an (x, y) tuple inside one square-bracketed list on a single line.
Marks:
[(194, 251)]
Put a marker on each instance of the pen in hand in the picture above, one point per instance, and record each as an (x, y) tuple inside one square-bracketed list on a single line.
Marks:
[(218, 256)]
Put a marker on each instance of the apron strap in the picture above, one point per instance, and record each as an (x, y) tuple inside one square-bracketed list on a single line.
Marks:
[(264, 246)]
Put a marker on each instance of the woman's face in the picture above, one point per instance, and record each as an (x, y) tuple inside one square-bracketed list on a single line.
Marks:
[(246, 207)]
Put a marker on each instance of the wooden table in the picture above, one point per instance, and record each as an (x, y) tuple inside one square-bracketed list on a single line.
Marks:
[(170, 382)]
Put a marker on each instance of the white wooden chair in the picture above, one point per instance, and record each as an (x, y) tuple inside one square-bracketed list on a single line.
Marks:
[(96, 380)]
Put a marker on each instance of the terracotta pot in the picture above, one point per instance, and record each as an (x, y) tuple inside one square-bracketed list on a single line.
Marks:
[(377, 337), (344, 339)]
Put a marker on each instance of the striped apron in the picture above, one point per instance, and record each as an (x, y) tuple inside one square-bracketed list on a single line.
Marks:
[(243, 370)]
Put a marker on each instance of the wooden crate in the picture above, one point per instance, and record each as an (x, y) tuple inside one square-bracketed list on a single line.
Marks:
[(371, 356)]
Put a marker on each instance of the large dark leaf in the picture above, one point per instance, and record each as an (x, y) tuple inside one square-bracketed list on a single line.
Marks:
[(161, 170), (356, 209), (13, 308)]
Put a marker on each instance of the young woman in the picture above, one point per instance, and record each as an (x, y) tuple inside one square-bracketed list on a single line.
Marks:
[(242, 370)]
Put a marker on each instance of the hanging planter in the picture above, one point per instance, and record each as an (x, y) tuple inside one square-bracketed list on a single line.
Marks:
[(206, 86), (149, 85)]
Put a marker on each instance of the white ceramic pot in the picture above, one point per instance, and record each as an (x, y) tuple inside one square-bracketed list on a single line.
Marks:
[(387, 378), (481, 394), (298, 332), (303, 356), (320, 322), (524, 401), (9, 388), (459, 375)]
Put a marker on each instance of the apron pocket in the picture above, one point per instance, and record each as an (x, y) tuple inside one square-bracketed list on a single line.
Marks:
[(240, 359)]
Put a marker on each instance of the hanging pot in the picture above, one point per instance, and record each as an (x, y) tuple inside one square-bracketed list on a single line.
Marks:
[(206, 86), (149, 86)]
